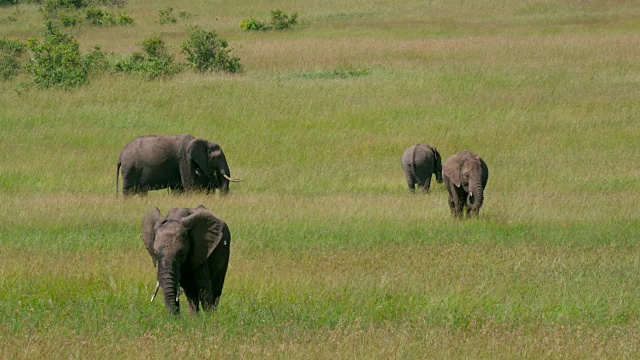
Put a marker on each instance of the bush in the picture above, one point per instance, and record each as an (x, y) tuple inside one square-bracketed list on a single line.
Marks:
[(206, 52), (156, 63), (124, 19), (98, 17), (96, 61), (166, 15), (10, 52), (56, 61), (51, 7), (282, 21), (253, 24), (279, 21), (8, 2)]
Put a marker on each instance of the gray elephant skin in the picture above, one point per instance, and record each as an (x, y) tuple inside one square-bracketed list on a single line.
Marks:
[(178, 162), (419, 163), (465, 177), (190, 247)]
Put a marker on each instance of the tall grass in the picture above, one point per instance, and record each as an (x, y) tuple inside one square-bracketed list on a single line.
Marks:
[(331, 255)]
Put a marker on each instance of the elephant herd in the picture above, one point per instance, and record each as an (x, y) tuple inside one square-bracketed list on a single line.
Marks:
[(190, 246)]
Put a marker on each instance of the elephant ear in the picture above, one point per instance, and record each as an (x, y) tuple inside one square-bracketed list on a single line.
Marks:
[(198, 152), (205, 232), (451, 169), (149, 230)]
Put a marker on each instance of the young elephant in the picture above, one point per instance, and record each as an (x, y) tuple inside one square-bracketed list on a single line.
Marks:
[(419, 162), (465, 177), (191, 248)]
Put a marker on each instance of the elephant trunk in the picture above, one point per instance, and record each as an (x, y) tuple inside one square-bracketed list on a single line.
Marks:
[(169, 278), (476, 196)]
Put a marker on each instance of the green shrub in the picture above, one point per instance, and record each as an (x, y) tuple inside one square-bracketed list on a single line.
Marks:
[(166, 16), (98, 17), (253, 24), (124, 19), (279, 21), (10, 52), (96, 61), (156, 63), (282, 21), (51, 7), (56, 61), (8, 2), (68, 19), (207, 52)]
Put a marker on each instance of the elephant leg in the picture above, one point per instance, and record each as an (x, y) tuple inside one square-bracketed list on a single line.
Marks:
[(458, 205), (191, 290), (205, 294), (426, 185), (217, 283), (410, 183)]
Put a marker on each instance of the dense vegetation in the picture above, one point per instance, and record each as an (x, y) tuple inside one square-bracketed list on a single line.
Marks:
[(331, 256)]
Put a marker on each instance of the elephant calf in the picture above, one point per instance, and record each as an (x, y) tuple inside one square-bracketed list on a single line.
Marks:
[(178, 162), (190, 247), (419, 162), (465, 176)]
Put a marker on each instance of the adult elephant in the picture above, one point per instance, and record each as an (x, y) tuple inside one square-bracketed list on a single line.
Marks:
[(154, 162), (465, 176), (190, 247), (419, 163)]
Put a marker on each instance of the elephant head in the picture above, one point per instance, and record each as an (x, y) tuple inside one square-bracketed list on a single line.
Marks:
[(209, 158), (180, 246), (469, 172)]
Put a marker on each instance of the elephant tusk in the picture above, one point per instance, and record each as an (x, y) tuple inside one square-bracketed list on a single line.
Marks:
[(155, 292), (471, 194), (231, 179)]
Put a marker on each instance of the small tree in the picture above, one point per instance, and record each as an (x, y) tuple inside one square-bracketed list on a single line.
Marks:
[(57, 60), (10, 52), (207, 52), (156, 63)]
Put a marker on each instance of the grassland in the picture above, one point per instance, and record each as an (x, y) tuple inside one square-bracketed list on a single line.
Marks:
[(331, 256)]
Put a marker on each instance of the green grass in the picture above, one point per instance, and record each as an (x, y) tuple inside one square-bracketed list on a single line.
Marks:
[(331, 256)]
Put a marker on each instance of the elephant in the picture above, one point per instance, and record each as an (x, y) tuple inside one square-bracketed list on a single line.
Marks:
[(190, 247), (465, 176), (419, 162), (154, 162)]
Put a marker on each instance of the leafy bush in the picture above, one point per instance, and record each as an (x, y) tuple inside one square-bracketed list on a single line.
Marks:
[(51, 7), (207, 52), (156, 63), (8, 2), (96, 61), (253, 24), (10, 52), (279, 21), (282, 21), (68, 19), (57, 60), (98, 17), (124, 19), (166, 16)]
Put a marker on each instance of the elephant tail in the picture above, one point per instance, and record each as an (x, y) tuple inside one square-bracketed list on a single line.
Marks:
[(117, 176)]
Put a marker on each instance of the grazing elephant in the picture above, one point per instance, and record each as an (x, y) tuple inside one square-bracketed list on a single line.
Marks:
[(419, 162), (465, 177), (154, 162), (190, 247)]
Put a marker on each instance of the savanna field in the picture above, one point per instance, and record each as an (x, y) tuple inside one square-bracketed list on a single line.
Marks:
[(331, 256)]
